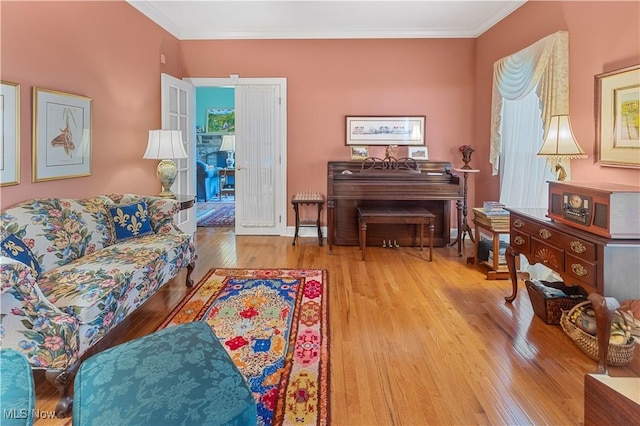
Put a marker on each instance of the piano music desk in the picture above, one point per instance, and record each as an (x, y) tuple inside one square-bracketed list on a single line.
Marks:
[(409, 215)]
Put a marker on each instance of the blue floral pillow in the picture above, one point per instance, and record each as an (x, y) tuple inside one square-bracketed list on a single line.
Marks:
[(16, 249), (130, 220)]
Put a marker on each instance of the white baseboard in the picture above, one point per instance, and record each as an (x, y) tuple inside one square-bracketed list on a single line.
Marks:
[(306, 232)]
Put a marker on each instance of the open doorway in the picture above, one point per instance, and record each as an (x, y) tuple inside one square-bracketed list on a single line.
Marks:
[(215, 151), (260, 175)]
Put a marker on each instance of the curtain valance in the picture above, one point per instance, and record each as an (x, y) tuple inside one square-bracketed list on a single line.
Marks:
[(543, 66)]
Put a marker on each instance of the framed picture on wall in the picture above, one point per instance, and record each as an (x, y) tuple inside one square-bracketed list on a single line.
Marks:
[(419, 152), (617, 95), (10, 142), (359, 152), (61, 136), (221, 120), (385, 130)]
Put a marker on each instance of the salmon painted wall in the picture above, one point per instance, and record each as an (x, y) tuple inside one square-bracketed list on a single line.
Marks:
[(330, 79), (72, 47), (107, 51), (603, 36)]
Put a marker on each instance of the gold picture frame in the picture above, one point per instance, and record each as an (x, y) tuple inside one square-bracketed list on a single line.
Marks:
[(617, 108), (359, 152), (61, 135), (10, 137)]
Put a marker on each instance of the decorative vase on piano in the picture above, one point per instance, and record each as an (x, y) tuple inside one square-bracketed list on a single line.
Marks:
[(466, 151)]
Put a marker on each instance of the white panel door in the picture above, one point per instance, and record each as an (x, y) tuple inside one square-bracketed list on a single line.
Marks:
[(259, 159), (178, 106)]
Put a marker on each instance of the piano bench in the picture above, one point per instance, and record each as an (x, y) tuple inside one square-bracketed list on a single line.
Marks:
[(397, 215)]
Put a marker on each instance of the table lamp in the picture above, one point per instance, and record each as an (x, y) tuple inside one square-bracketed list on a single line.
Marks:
[(559, 143), (165, 145), (229, 145)]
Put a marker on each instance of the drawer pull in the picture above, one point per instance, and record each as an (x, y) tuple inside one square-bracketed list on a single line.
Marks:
[(518, 223), (518, 240), (578, 247), (544, 233), (579, 270)]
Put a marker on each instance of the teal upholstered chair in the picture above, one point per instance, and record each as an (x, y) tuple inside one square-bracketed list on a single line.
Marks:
[(17, 391), (179, 375)]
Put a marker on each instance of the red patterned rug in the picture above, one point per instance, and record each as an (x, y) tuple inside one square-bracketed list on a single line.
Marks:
[(274, 325), (221, 215)]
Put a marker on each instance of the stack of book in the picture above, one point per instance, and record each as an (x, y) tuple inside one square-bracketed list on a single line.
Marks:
[(494, 207), (501, 258), (494, 217)]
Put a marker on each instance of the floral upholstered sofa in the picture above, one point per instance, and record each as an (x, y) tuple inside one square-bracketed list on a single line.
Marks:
[(73, 269)]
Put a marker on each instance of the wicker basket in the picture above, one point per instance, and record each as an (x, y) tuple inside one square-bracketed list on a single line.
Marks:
[(549, 309), (617, 356)]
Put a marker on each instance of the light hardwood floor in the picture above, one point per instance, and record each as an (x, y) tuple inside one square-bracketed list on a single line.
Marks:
[(412, 342)]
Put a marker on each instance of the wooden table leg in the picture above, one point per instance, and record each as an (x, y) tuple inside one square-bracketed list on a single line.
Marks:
[(295, 235), (421, 235), (510, 256), (318, 224), (604, 315), (431, 232), (363, 237)]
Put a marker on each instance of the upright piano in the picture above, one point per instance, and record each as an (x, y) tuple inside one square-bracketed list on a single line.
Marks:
[(352, 184)]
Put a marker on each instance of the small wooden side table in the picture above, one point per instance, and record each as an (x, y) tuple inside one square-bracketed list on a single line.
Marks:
[(496, 271), (186, 201), (225, 187), (309, 198)]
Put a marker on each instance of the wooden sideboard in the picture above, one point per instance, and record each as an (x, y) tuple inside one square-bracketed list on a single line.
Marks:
[(606, 266)]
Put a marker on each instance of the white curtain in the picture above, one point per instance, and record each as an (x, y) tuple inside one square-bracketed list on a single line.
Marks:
[(528, 87), (258, 144), (543, 66), (523, 175)]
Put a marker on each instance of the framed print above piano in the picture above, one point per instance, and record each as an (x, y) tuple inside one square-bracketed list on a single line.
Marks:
[(385, 130)]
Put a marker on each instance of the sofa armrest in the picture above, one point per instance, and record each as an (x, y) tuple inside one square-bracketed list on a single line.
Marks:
[(31, 324), (162, 212)]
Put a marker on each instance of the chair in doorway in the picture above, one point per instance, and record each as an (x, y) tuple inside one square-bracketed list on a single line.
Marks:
[(207, 181)]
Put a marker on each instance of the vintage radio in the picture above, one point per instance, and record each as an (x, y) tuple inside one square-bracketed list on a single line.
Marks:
[(607, 209)]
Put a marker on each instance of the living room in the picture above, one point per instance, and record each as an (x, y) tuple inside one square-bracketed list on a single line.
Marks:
[(110, 52)]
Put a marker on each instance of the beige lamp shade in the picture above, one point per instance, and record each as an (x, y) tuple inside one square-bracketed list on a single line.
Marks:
[(228, 143), (165, 144), (559, 142)]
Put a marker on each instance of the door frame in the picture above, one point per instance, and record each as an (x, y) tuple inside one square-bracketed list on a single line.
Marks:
[(281, 178), (185, 219)]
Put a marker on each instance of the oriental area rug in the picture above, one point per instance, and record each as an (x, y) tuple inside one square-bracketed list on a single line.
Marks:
[(274, 325), (220, 215)]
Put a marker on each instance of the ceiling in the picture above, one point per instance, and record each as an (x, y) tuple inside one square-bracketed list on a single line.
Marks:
[(325, 19)]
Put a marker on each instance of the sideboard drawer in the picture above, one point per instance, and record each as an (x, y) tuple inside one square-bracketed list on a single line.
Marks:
[(519, 239), (523, 225), (580, 269), (548, 255), (570, 244)]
